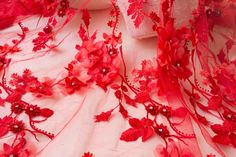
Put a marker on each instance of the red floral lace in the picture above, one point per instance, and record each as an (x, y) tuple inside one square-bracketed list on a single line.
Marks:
[(196, 82)]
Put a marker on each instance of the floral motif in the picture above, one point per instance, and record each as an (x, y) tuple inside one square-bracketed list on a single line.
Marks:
[(17, 149), (29, 83), (100, 58)]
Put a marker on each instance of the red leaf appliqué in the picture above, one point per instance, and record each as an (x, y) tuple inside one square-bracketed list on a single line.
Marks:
[(140, 128), (104, 116), (46, 112), (86, 17), (123, 111), (131, 134), (88, 154), (179, 112)]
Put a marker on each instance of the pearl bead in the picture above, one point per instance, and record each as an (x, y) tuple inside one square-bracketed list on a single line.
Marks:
[(15, 126)]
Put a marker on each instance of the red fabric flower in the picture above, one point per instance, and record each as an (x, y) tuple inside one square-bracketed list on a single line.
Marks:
[(112, 39), (29, 83), (221, 13), (72, 81), (162, 130), (211, 155), (179, 64), (100, 58), (41, 42), (175, 53), (34, 111), (173, 150), (147, 76), (73, 84), (90, 52), (16, 150), (225, 76), (4, 125), (225, 133), (16, 126), (152, 109), (88, 154), (102, 66)]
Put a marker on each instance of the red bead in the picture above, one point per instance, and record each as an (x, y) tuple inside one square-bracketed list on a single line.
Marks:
[(47, 29)]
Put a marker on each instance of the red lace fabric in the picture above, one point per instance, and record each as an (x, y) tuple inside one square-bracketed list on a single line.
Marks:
[(181, 101)]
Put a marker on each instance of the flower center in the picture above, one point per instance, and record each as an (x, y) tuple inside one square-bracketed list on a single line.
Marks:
[(12, 155), (162, 131), (217, 13), (166, 111), (17, 108), (229, 116), (112, 52), (64, 4), (61, 12), (33, 111), (177, 64), (74, 83), (152, 109), (209, 12), (17, 127), (21, 83), (104, 70)]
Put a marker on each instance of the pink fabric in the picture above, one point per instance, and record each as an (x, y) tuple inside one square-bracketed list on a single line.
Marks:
[(182, 11), (73, 120)]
